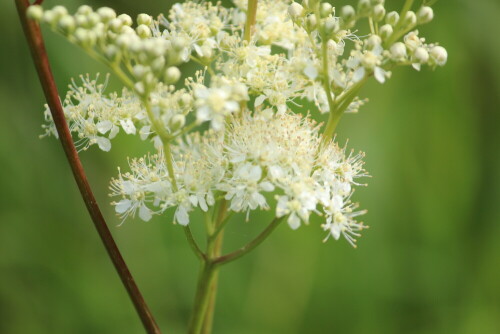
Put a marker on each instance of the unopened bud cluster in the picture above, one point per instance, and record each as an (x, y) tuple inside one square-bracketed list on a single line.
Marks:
[(255, 153)]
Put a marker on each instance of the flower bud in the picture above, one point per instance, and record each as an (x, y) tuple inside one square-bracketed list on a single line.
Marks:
[(140, 71), (206, 51), (35, 12), (140, 88), (172, 75), (295, 10), (179, 44), (84, 10), (378, 13), (144, 19), (425, 15), (325, 9), (106, 14), (421, 55), (398, 51), (392, 18), (364, 7), (81, 20), (157, 64), (177, 122), (126, 19), (112, 53), (347, 13), (67, 24), (85, 38), (412, 41), (330, 26), (93, 19), (185, 100), (49, 17), (124, 40), (115, 25), (126, 30), (143, 31), (370, 60), (60, 11), (311, 22), (373, 41), (410, 19), (386, 31), (439, 55)]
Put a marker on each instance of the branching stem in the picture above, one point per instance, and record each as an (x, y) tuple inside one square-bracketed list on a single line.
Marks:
[(251, 245)]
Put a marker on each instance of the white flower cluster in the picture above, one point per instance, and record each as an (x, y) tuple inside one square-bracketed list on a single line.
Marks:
[(95, 117), (257, 156), (255, 153)]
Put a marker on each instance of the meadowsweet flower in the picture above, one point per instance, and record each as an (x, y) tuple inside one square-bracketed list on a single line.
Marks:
[(227, 133)]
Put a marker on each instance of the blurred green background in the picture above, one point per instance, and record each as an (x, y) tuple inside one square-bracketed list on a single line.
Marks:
[(430, 263)]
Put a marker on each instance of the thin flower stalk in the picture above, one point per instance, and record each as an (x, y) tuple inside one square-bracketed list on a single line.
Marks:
[(35, 41)]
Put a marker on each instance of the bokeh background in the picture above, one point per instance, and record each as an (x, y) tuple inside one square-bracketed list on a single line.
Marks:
[(430, 262)]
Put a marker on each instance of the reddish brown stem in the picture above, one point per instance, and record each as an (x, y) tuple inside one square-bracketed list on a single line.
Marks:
[(37, 47)]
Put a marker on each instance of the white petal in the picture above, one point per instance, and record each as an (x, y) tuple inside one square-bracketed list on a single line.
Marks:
[(335, 231), (114, 131), (311, 72), (337, 202), (194, 200), (158, 144), (144, 132), (379, 74), (232, 106), (198, 50), (182, 216), (210, 198), (255, 173), (203, 114), (266, 186), (203, 203), (259, 199), (259, 100), (104, 126), (128, 126), (123, 205), (359, 74), (103, 143), (294, 221), (144, 213)]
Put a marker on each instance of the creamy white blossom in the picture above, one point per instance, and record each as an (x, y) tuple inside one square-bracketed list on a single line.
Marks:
[(227, 137)]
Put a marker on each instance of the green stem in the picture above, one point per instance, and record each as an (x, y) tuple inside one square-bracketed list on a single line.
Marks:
[(372, 27), (204, 306), (165, 138), (192, 242), (212, 290), (202, 297), (170, 164), (251, 245), (251, 17), (341, 105)]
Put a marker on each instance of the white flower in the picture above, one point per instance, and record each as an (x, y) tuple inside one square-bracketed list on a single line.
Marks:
[(340, 220), (216, 103), (244, 188)]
